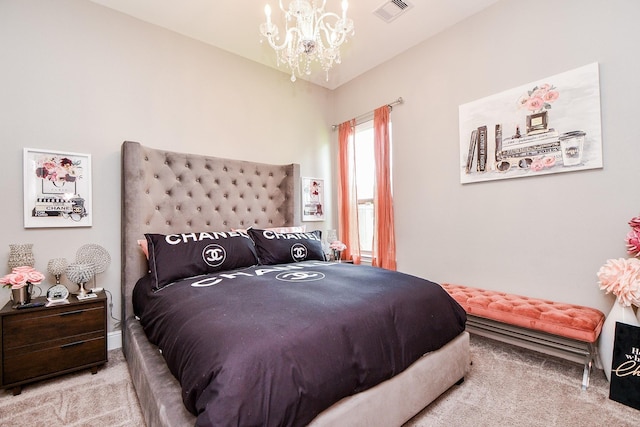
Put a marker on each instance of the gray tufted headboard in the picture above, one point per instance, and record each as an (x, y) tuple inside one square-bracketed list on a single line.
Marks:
[(167, 192)]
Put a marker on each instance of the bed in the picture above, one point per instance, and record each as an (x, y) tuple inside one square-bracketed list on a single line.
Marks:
[(167, 193)]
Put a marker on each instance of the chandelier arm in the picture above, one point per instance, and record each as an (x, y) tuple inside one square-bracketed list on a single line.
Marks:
[(328, 28), (321, 20), (319, 8), (342, 36), (285, 43), (327, 35), (274, 46), (327, 14), (294, 35)]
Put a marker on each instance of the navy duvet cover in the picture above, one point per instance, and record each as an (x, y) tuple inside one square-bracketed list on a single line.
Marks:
[(276, 345)]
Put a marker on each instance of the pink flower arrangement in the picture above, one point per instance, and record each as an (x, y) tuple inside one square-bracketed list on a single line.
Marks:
[(21, 276), (621, 276), (539, 98), (58, 169), (337, 245)]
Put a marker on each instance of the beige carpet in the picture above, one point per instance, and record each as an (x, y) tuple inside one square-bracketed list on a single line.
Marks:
[(507, 386), (79, 400)]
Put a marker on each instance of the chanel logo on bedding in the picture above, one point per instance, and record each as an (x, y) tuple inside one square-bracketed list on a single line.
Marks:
[(298, 252), (175, 239), (300, 276), (214, 255), (282, 270)]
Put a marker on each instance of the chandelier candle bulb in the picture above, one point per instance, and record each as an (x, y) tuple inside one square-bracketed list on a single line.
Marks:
[(267, 11)]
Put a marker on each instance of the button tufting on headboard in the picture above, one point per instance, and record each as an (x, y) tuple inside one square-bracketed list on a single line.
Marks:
[(168, 192)]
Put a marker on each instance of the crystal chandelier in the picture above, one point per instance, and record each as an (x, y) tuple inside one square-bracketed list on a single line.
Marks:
[(311, 35)]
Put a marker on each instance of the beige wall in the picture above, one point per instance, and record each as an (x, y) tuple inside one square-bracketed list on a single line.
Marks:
[(82, 78), (545, 236)]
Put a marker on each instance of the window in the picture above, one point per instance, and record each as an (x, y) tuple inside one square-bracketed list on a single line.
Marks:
[(365, 183)]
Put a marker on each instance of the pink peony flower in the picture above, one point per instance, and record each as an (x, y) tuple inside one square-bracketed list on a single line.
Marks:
[(35, 277), (621, 277), (535, 103), (633, 237), (551, 96), (633, 242), (548, 161), (17, 279), (537, 165)]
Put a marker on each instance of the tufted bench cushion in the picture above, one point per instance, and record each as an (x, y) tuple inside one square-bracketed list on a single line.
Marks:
[(565, 320)]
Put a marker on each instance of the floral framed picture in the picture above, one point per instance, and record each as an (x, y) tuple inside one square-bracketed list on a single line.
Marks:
[(57, 189), (312, 199)]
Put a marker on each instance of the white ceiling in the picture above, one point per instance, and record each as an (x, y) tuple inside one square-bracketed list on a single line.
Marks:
[(233, 26)]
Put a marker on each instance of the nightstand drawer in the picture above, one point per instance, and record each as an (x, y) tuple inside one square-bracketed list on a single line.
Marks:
[(47, 360), (49, 325)]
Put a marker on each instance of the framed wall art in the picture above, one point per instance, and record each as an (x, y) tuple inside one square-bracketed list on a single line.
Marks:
[(547, 126), (312, 199), (57, 189)]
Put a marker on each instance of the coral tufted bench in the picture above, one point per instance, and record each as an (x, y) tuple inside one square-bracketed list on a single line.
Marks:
[(564, 330)]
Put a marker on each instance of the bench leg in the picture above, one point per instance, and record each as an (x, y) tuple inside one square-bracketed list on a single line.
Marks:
[(588, 363)]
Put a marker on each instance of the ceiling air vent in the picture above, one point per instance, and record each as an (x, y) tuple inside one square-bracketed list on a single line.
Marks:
[(391, 9)]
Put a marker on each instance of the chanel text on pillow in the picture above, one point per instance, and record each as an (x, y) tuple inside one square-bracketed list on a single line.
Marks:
[(279, 248), (177, 256)]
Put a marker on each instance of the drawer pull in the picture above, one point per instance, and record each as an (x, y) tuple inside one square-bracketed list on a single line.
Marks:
[(72, 344), (69, 313)]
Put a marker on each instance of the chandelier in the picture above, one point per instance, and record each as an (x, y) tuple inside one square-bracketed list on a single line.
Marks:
[(311, 35)]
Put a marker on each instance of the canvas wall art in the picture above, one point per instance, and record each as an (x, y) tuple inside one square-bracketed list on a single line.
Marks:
[(57, 189), (547, 126)]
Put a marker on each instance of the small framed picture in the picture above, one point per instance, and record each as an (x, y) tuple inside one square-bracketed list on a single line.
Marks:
[(312, 199), (57, 189)]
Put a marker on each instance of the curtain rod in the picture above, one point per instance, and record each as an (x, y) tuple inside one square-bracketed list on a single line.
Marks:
[(361, 116)]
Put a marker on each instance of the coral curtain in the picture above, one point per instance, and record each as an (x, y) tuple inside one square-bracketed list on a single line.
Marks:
[(347, 195), (384, 242)]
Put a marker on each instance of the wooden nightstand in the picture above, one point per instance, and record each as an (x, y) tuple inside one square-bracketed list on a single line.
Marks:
[(42, 342)]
